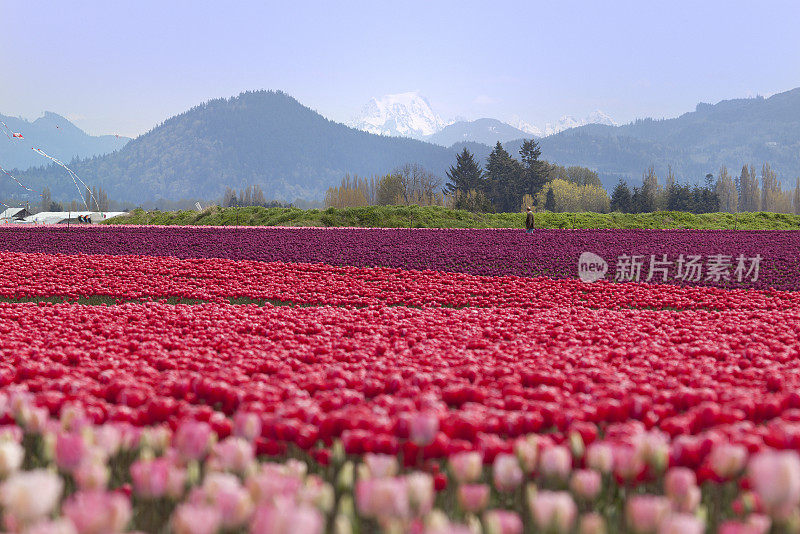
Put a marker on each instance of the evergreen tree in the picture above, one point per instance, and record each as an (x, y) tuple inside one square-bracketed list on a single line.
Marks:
[(621, 198), (503, 180), (534, 171), (550, 201), (466, 175)]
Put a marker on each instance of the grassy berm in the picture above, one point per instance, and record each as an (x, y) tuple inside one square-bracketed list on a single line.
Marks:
[(436, 217)]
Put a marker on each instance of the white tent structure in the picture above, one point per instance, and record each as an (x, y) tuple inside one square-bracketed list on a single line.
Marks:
[(61, 217), (13, 215)]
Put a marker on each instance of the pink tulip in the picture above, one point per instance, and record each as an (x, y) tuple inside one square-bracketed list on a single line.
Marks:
[(423, 428), (466, 467), (381, 465), (646, 512), (383, 498), (506, 472), (58, 526), (776, 479), (247, 425), (759, 522), (420, 492), (70, 450), (586, 484), (91, 474), (502, 522), (680, 485), (555, 463), (191, 518), (268, 484), (28, 496), (193, 440), (228, 496), (592, 523), (233, 454), (628, 463), (727, 460), (600, 457), (678, 481), (11, 456), (97, 512), (473, 497), (527, 451), (285, 517), (553, 511), (681, 524), (153, 479)]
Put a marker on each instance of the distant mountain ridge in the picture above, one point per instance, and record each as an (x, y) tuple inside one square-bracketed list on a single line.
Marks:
[(731, 132), (262, 137), (270, 139), (485, 131), (411, 115), (57, 136)]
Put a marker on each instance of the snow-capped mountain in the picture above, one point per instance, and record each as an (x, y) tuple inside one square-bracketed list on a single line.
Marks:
[(520, 124), (568, 121), (402, 114)]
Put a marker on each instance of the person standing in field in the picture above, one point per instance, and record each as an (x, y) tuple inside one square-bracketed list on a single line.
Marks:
[(529, 222)]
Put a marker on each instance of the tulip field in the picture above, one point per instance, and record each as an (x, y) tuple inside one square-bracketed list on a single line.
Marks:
[(269, 380)]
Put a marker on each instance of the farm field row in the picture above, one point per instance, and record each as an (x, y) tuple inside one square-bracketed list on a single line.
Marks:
[(426, 395), (680, 257)]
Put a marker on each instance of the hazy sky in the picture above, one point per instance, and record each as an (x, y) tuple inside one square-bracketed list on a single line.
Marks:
[(123, 66)]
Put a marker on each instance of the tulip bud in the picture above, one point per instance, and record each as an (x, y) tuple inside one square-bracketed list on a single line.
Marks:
[(681, 524), (98, 511), (576, 445), (423, 428), (28, 496), (191, 518), (420, 492), (380, 465), (646, 512), (473, 498), (553, 511), (247, 425), (555, 463), (502, 522), (344, 479), (193, 439), (466, 467), (592, 523), (69, 451), (337, 452), (776, 480), (727, 461), (527, 450), (506, 472), (586, 484), (600, 457), (11, 456)]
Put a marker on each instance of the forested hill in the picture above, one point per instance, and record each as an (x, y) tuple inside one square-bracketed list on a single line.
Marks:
[(732, 132), (55, 135), (264, 137), (269, 139)]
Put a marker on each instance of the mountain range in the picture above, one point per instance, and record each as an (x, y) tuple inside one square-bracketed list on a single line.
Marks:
[(57, 136), (270, 139), (411, 115)]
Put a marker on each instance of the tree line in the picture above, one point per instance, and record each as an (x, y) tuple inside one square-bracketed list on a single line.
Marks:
[(747, 192)]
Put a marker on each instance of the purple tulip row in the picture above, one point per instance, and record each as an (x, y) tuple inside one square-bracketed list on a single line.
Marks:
[(552, 253)]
